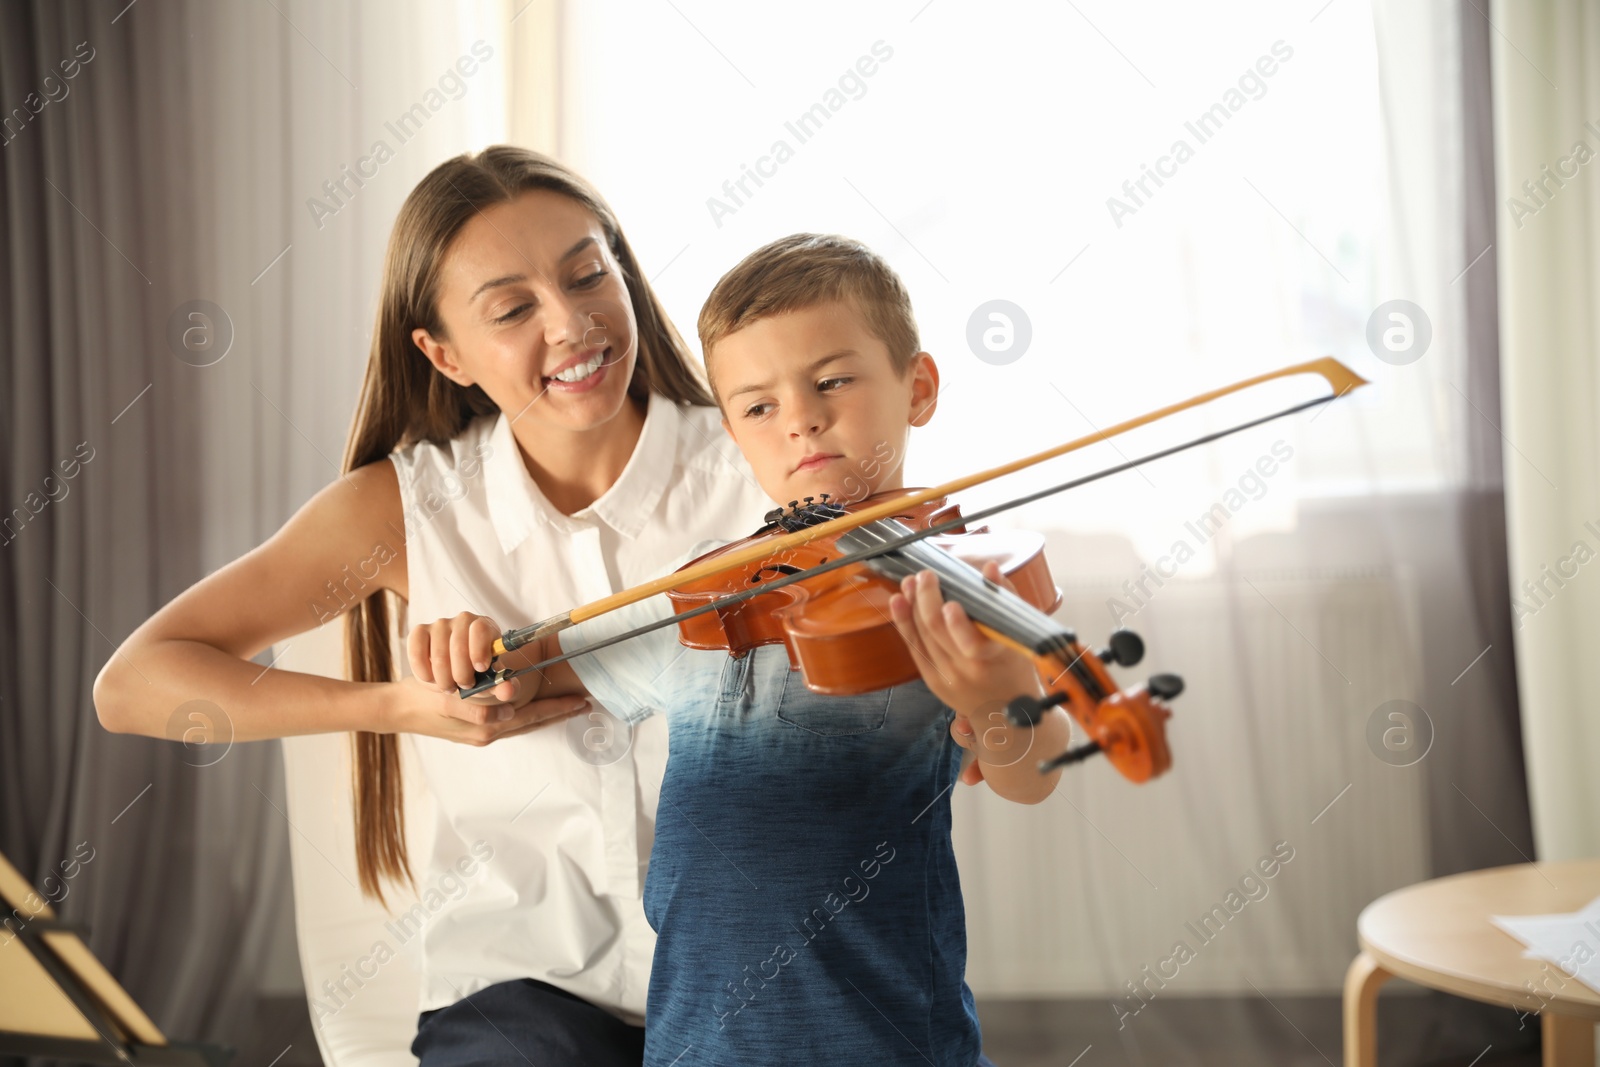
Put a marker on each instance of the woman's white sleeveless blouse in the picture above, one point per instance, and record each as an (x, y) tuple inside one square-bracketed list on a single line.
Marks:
[(554, 829)]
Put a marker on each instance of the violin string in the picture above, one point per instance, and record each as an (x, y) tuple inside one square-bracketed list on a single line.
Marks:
[(1003, 610), (1016, 617), (984, 602), (890, 546)]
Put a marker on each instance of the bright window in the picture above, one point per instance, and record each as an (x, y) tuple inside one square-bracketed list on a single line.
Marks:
[(1171, 210)]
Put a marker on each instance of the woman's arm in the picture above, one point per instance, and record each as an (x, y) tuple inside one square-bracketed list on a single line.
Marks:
[(342, 546)]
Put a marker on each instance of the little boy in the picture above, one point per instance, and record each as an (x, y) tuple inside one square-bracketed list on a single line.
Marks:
[(802, 883)]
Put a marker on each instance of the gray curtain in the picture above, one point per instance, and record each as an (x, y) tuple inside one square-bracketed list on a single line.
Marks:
[(1495, 770), (103, 223)]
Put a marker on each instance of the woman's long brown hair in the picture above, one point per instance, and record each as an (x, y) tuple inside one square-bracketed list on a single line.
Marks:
[(404, 400)]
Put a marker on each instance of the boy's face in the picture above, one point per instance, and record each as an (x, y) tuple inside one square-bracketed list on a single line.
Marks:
[(812, 401)]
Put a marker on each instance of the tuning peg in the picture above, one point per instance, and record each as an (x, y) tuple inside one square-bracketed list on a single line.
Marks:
[(793, 504), (1027, 711), (1165, 686), (1125, 648), (1070, 756)]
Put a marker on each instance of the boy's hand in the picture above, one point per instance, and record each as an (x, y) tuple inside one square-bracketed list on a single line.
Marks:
[(446, 652), (444, 655), (977, 676), (972, 772), (963, 667)]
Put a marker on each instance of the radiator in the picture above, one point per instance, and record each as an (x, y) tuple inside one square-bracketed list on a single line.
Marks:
[(1099, 886)]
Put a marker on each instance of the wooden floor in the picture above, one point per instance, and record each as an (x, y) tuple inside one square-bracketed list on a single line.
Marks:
[(1421, 1030), (1415, 1030)]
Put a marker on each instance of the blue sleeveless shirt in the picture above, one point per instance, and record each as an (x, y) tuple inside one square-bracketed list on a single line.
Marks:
[(802, 883)]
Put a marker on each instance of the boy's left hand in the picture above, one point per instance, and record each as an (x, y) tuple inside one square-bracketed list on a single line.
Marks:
[(968, 671)]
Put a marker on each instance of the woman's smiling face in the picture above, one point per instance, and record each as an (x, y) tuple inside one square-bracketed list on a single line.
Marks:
[(535, 311)]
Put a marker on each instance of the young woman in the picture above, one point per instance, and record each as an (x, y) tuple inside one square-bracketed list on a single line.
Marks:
[(530, 436)]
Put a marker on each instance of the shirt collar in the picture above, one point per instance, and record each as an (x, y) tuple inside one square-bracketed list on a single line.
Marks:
[(516, 503)]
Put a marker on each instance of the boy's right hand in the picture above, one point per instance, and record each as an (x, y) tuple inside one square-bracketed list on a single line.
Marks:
[(445, 655)]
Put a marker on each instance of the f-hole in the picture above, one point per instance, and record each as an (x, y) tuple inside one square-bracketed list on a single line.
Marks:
[(772, 570)]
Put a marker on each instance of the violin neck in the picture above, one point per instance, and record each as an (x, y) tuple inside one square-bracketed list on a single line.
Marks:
[(989, 605)]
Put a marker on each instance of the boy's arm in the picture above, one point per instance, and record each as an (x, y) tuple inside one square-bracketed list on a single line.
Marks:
[(977, 677), (558, 680), (620, 676)]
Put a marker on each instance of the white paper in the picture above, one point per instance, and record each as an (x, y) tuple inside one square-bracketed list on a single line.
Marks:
[(1570, 942)]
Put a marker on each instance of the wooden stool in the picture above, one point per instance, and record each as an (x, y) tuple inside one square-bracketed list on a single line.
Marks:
[(1438, 935)]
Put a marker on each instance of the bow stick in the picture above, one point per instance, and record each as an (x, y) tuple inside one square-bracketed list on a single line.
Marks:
[(1340, 379)]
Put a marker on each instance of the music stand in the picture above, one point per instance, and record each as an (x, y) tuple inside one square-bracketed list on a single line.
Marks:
[(58, 1000)]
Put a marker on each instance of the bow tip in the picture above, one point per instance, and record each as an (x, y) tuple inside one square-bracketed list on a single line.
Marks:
[(1341, 379)]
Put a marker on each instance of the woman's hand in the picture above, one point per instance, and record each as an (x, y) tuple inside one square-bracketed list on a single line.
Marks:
[(445, 656), (424, 708)]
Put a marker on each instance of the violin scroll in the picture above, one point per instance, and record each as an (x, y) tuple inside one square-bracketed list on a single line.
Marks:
[(1127, 726)]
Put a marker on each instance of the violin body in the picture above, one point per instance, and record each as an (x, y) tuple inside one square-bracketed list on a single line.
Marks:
[(836, 626), (838, 631)]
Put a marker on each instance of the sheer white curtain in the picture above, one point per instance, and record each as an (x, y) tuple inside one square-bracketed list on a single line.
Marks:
[(982, 154), (1547, 98), (1173, 199)]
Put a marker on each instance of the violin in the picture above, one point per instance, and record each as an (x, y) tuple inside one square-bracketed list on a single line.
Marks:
[(818, 577), (838, 633)]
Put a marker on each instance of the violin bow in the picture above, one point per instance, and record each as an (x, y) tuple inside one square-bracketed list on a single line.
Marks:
[(1340, 379)]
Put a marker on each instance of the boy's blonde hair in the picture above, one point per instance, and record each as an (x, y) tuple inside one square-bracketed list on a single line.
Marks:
[(801, 271)]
